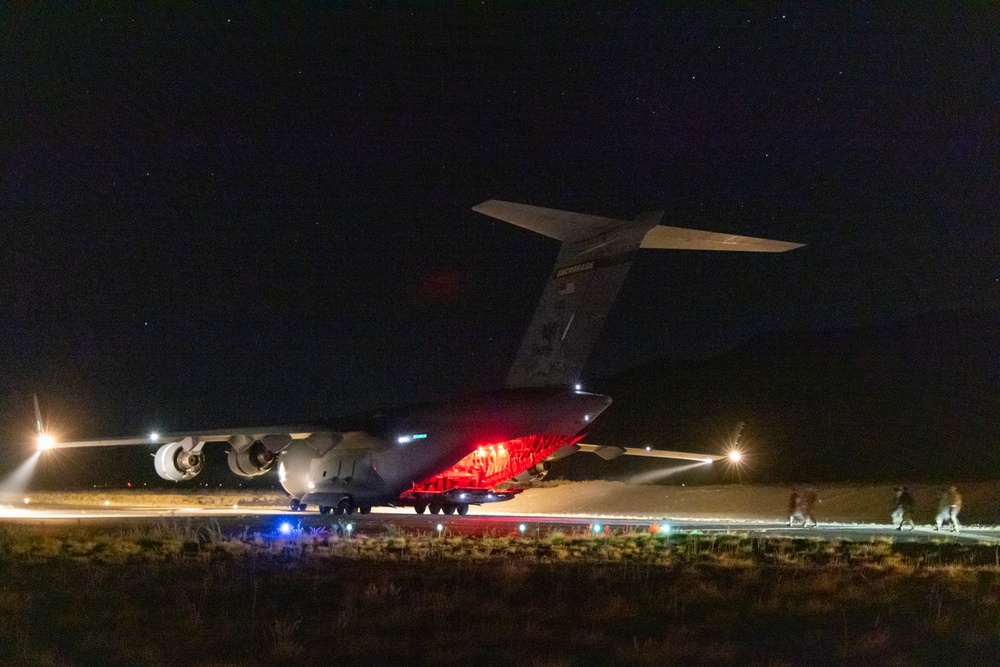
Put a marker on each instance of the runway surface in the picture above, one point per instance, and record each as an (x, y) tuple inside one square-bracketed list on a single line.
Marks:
[(479, 522)]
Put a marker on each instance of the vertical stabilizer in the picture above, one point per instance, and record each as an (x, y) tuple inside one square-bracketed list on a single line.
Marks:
[(592, 264)]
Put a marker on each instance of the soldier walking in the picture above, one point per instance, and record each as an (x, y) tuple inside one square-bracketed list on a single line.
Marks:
[(903, 512), (794, 508), (809, 499), (949, 506)]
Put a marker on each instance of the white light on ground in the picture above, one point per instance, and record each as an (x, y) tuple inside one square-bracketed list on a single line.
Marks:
[(440, 527), (27, 500), (107, 502), (522, 528)]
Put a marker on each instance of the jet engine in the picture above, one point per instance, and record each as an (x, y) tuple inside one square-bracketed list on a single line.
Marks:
[(535, 473), (174, 462), (255, 460)]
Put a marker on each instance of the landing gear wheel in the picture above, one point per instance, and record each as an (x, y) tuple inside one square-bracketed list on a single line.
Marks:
[(434, 508), (449, 509), (346, 506), (294, 504), (419, 508), (324, 509), (463, 509)]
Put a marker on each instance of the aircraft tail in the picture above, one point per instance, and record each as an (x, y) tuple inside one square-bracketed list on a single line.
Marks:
[(595, 257)]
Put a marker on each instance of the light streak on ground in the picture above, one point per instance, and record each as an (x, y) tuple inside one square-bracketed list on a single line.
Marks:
[(17, 481), (656, 475)]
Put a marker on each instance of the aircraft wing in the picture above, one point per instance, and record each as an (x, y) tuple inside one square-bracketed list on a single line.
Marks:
[(263, 433), (608, 452)]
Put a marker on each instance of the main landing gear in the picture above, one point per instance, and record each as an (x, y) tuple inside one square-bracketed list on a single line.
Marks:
[(345, 506), (442, 508)]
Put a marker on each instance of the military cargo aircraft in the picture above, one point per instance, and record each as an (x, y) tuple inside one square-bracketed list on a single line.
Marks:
[(446, 456)]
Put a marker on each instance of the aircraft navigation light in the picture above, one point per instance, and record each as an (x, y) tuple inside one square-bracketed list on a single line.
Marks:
[(154, 436), (45, 441), (577, 387), (403, 439), (586, 418), (735, 456)]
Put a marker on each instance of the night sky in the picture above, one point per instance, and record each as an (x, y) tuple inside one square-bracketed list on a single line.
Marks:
[(215, 217)]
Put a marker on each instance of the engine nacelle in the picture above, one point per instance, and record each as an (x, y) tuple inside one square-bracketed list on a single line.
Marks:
[(255, 460), (535, 473), (174, 462)]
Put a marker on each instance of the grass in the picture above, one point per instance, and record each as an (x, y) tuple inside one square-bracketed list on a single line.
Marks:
[(184, 593)]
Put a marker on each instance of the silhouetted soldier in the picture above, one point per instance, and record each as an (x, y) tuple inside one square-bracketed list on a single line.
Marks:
[(903, 513), (948, 508), (808, 501), (794, 508)]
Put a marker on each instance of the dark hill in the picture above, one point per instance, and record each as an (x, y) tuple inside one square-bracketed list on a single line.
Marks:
[(914, 400)]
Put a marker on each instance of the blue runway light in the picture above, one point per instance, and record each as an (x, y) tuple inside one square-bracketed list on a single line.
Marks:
[(598, 528), (285, 528)]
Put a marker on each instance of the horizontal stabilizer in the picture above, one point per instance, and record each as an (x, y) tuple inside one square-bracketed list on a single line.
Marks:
[(559, 225), (677, 238)]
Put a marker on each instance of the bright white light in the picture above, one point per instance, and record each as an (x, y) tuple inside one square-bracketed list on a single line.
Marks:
[(107, 502), (440, 528), (577, 387), (236, 507), (735, 456), (403, 439), (349, 527), (154, 436), (285, 528), (586, 418), (310, 485), (282, 475), (649, 449), (597, 527), (45, 441), (664, 528), (27, 500), (522, 528)]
